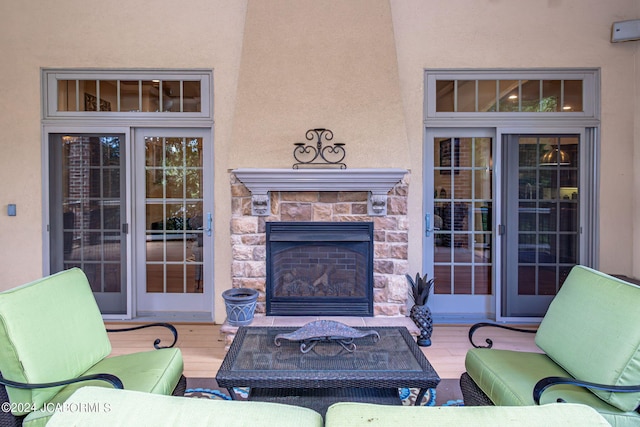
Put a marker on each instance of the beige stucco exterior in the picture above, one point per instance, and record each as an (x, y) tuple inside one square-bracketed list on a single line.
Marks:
[(284, 66)]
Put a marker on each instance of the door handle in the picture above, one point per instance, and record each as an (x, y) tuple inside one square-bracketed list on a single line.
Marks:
[(428, 230), (209, 228)]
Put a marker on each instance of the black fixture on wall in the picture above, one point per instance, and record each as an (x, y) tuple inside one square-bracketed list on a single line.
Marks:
[(314, 156)]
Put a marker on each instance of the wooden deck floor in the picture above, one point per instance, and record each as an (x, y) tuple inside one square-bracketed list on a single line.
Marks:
[(203, 346)]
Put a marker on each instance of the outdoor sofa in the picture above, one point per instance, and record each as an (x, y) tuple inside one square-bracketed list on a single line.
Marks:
[(104, 407), (52, 333), (590, 342)]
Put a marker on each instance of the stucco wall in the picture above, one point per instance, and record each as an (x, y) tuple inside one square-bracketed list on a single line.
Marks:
[(531, 34), (94, 34), (313, 63)]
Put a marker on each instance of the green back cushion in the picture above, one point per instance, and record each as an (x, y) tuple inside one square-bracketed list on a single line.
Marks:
[(591, 330), (50, 330)]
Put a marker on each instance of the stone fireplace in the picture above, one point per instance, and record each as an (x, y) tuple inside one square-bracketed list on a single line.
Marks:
[(264, 198)]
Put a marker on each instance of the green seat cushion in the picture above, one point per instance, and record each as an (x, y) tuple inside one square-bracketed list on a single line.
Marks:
[(591, 330), (507, 377), (561, 415), (131, 408), (50, 330), (156, 371)]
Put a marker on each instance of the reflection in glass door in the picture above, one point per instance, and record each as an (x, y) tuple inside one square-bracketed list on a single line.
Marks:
[(176, 222), (86, 213), (542, 206), (460, 223)]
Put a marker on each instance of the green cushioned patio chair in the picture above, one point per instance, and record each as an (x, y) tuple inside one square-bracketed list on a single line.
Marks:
[(53, 341), (590, 342)]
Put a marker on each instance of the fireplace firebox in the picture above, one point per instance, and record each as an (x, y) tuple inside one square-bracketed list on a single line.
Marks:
[(319, 269)]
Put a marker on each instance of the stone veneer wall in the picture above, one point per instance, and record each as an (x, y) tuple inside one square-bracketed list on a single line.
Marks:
[(390, 262)]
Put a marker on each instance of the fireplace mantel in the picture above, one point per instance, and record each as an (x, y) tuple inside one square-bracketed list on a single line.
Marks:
[(376, 181)]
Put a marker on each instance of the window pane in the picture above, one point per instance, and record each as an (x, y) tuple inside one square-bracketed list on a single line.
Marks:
[(443, 284), (444, 95), (150, 96), (551, 91), (67, 95), (462, 280), (528, 152), (483, 184), (483, 218), (572, 96), (508, 95), (193, 152), (153, 152), (192, 97), (174, 179), (482, 280), (466, 96), (88, 91), (171, 96), (463, 151), (531, 96), (155, 273), (486, 95), (130, 95), (174, 155), (483, 153), (108, 95)]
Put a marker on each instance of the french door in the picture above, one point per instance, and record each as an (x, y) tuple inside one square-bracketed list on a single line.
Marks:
[(87, 206), (458, 222), (502, 241), (542, 219), (174, 220), (160, 262)]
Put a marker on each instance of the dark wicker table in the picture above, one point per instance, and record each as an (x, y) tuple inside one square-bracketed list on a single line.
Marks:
[(327, 374)]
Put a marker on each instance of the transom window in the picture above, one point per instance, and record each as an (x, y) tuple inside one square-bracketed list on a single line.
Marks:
[(531, 96), (129, 95), (491, 94), (112, 93)]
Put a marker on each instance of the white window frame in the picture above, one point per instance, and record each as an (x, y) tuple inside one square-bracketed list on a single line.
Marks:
[(50, 78), (589, 117)]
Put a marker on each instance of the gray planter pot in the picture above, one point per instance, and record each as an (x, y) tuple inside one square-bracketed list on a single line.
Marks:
[(240, 304)]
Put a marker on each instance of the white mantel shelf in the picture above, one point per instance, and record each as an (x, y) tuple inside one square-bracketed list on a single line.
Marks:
[(376, 181)]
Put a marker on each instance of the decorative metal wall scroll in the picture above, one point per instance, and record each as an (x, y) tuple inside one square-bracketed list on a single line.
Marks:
[(310, 155)]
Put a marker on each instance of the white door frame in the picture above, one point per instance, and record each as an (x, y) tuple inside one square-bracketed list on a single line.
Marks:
[(132, 257), (457, 307), (182, 306), (127, 212), (587, 183)]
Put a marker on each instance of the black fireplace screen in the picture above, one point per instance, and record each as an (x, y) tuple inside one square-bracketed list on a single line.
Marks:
[(320, 268)]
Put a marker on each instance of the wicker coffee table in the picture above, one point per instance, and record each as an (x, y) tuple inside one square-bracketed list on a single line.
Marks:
[(328, 373)]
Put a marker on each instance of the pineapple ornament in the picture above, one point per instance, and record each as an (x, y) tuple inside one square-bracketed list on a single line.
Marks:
[(420, 312)]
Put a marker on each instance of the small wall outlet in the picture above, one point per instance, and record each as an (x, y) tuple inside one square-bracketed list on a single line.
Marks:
[(11, 210)]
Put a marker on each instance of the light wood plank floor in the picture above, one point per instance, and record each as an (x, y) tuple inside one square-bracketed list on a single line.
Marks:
[(203, 346)]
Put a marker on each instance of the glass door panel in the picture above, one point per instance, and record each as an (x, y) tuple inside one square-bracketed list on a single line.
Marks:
[(174, 214), (462, 211), (87, 213), (175, 220), (542, 236), (459, 231)]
